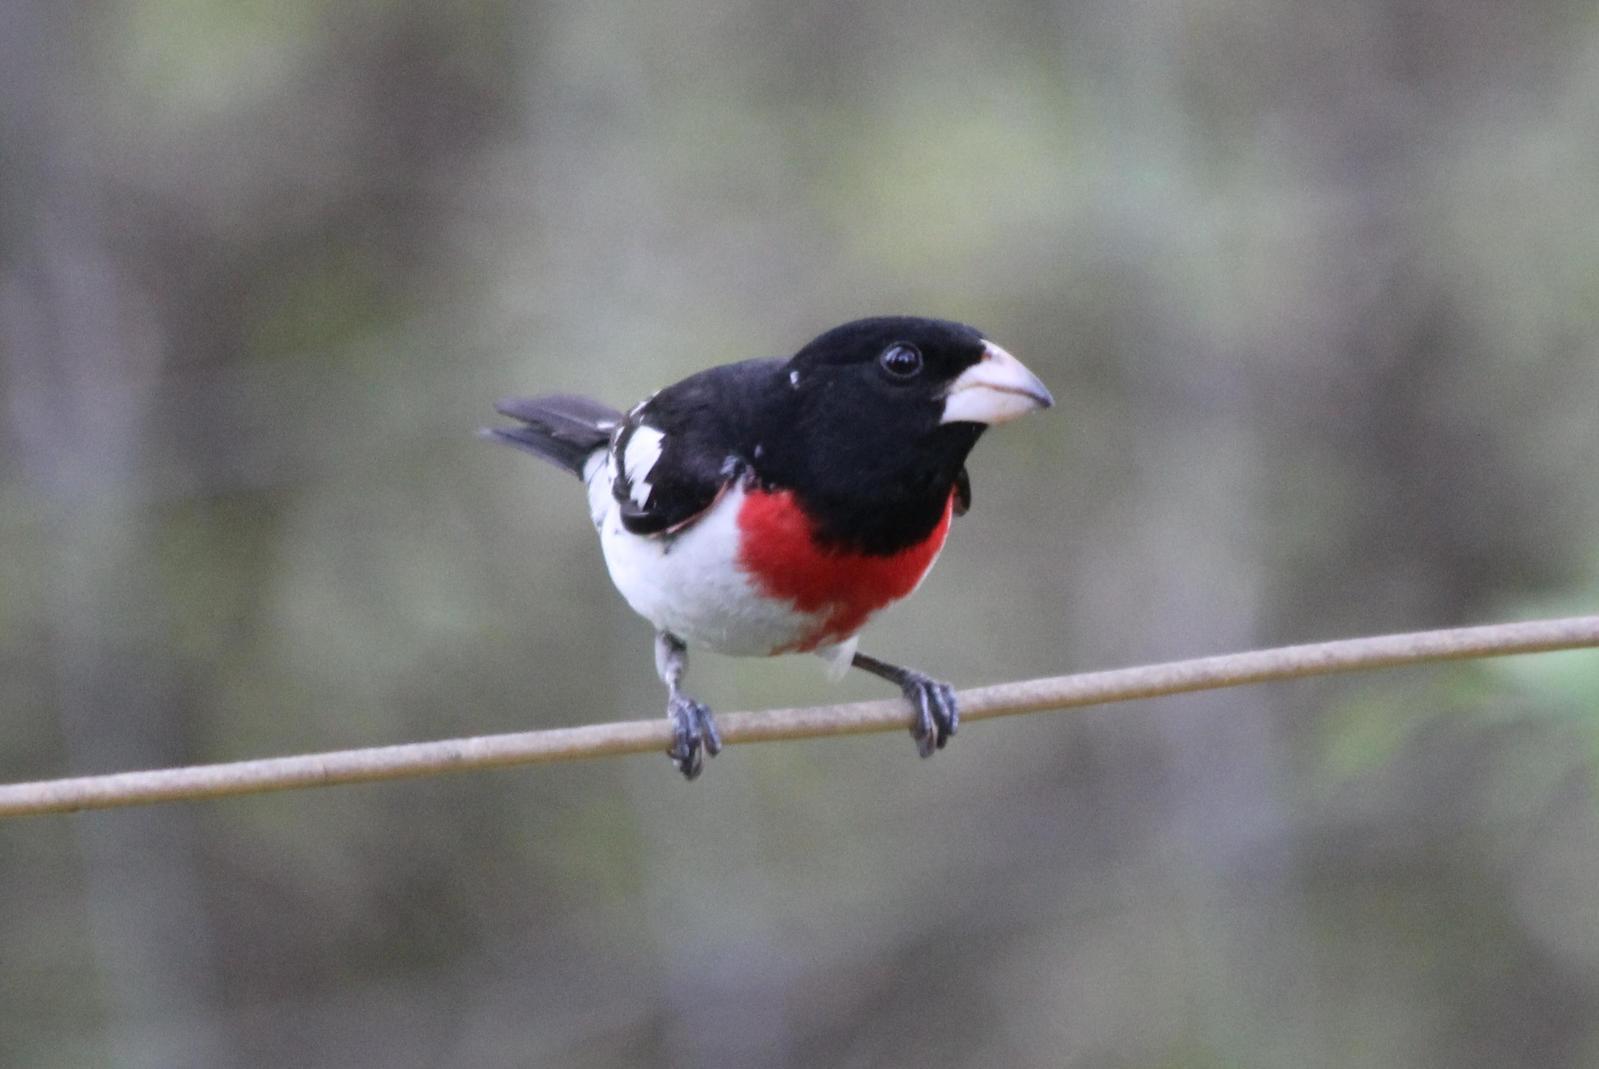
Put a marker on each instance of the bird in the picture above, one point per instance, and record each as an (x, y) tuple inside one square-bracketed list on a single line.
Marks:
[(775, 506)]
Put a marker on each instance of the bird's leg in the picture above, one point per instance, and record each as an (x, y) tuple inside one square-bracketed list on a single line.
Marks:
[(694, 730), (936, 714)]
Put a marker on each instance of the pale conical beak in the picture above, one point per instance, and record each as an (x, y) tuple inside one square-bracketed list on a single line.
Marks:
[(996, 389)]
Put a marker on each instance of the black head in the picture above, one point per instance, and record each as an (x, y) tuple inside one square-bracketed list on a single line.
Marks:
[(882, 412), (943, 349)]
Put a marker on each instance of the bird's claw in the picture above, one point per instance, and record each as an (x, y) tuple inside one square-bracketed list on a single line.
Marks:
[(937, 715), (694, 735)]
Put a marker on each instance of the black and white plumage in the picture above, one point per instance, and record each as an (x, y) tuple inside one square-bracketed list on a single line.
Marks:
[(774, 506)]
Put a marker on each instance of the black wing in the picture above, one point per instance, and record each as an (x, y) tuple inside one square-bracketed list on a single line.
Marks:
[(680, 450)]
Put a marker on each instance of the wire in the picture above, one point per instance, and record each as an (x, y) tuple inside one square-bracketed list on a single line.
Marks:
[(641, 736)]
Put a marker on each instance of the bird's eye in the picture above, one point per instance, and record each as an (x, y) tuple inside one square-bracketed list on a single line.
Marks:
[(901, 360)]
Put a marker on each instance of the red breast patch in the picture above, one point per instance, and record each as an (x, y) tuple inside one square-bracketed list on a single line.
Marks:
[(778, 549)]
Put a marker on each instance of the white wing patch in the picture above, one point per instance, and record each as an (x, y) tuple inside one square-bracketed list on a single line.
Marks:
[(643, 450)]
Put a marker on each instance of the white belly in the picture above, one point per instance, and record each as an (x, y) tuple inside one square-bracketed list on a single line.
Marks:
[(692, 584)]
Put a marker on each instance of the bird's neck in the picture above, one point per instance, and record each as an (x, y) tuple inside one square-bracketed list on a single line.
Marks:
[(877, 497)]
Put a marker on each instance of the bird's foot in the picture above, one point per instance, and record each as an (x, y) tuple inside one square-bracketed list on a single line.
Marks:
[(694, 735), (937, 715)]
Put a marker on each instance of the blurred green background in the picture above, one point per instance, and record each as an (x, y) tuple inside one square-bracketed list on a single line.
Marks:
[(1316, 285)]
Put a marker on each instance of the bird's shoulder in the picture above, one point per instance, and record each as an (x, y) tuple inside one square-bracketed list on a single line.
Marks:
[(679, 449)]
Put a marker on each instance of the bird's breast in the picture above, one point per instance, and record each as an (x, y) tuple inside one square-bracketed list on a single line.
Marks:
[(839, 588)]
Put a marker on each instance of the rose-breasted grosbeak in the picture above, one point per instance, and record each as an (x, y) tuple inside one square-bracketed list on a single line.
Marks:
[(774, 506)]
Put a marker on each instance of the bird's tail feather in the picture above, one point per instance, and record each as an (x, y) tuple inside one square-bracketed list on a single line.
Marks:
[(563, 429)]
